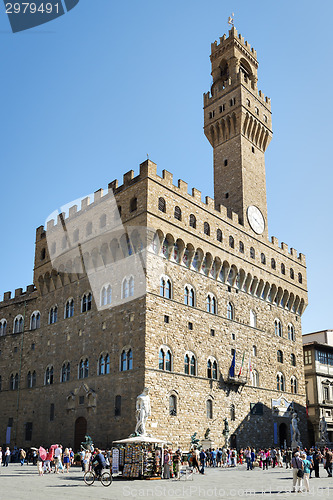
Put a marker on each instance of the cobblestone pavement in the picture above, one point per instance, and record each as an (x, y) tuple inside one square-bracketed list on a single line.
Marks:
[(23, 483)]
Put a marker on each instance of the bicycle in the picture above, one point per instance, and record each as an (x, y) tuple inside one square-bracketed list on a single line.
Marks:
[(91, 476)]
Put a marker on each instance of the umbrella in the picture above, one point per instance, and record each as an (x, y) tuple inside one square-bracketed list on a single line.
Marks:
[(42, 453), (34, 449), (141, 439), (54, 446)]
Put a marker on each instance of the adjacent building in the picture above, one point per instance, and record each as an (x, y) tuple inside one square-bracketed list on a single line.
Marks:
[(215, 292), (318, 367)]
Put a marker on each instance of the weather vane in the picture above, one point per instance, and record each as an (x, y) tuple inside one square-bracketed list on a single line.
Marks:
[(231, 19)]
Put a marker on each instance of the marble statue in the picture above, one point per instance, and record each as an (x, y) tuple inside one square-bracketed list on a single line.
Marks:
[(323, 430), (296, 437), (143, 411)]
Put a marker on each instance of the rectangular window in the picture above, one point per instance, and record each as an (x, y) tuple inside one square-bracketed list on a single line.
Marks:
[(212, 332), (166, 318), (81, 400), (28, 431), (325, 393), (222, 108), (322, 357), (32, 347), (307, 357), (51, 412), (330, 358), (190, 326)]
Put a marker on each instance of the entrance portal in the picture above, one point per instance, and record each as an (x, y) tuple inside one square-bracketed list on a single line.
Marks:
[(80, 432), (233, 441), (283, 435)]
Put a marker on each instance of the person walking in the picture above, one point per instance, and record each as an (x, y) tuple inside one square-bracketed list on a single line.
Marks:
[(247, 455), (297, 466), (203, 458), (279, 458), (213, 457), (317, 457), (22, 455), (166, 465), (289, 456), (7, 456), (306, 471), (328, 462), (67, 459)]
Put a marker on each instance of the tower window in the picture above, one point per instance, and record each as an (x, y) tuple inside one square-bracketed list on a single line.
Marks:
[(166, 318), (225, 163), (178, 213), (253, 150), (212, 114), (219, 235), (227, 195), (222, 108), (161, 205), (283, 269), (292, 274), (248, 102), (256, 110), (263, 258), (231, 242), (241, 247), (207, 229), (265, 119), (193, 221), (133, 204), (252, 253), (300, 278), (273, 264), (232, 101)]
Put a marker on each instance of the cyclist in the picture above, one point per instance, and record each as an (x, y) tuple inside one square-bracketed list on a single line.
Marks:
[(99, 463)]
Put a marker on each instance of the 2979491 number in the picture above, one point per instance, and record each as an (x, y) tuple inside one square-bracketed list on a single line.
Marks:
[(31, 8)]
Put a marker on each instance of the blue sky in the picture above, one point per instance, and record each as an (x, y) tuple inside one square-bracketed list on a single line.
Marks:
[(87, 96)]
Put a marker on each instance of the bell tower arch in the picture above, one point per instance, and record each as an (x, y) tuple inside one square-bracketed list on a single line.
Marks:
[(238, 125)]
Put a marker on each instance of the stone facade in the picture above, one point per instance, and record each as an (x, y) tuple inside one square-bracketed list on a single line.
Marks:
[(256, 288)]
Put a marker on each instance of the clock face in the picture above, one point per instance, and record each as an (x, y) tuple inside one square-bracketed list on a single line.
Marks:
[(256, 219)]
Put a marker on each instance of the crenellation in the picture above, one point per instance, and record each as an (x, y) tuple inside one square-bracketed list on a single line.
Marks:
[(196, 194), (284, 247), (7, 296), (98, 195), (210, 202), (275, 241), (167, 177), (293, 252), (302, 259), (85, 203), (183, 186), (148, 169), (112, 186), (18, 292), (72, 211), (128, 177)]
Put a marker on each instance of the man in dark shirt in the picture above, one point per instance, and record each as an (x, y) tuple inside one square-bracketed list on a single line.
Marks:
[(329, 462), (99, 463)]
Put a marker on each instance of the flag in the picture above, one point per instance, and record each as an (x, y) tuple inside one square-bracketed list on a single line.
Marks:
[(241, 368), (232, 367), (250, 368)]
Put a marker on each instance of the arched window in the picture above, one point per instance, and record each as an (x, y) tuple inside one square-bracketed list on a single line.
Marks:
[(126, 360), (102, 221), (13, 382), (84, 368), (232, 412), (35, 320), (211, 304), (273, 264), (165, 287), (192, 365), (291, 332), (189, 296), (263, 258), (280, 384), (193, 221), (293, 385), (172, 405), (300, 278), (219, 236), (104, 364), (292, 274), (161, 205), (292, 359), (212, 368), (69, 308), (89, 228), (231, 242), (53, 315), (279, 356), (65, 371), (18, 324), (283, 269), (209, 408), (106, 295), (278, 327), (86, 302), (241, 247), (252, 253), (206, 228), (128, 287), (133, 204), (3, 327), (187, 364), (230, 311), (43, 254), (165, 359), (29, 380), (255, 378), (254, 350), (49, 375), (253, 319), (178, 213)]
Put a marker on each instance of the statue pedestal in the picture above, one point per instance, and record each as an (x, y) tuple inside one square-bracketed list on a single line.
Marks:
[(207, 443), (324, 444), (294, 444)]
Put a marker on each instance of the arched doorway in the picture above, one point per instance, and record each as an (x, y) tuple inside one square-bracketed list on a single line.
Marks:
[(80, 432), (283, 435), (233, 441)]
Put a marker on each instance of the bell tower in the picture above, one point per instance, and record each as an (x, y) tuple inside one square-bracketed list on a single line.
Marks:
[(238, 125)]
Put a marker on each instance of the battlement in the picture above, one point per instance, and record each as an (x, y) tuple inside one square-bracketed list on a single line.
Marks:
[(233, 36), (228, 84), (148, 169), (18, 294)]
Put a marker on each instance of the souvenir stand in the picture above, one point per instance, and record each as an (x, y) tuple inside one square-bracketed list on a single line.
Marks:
[(138, 457)]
